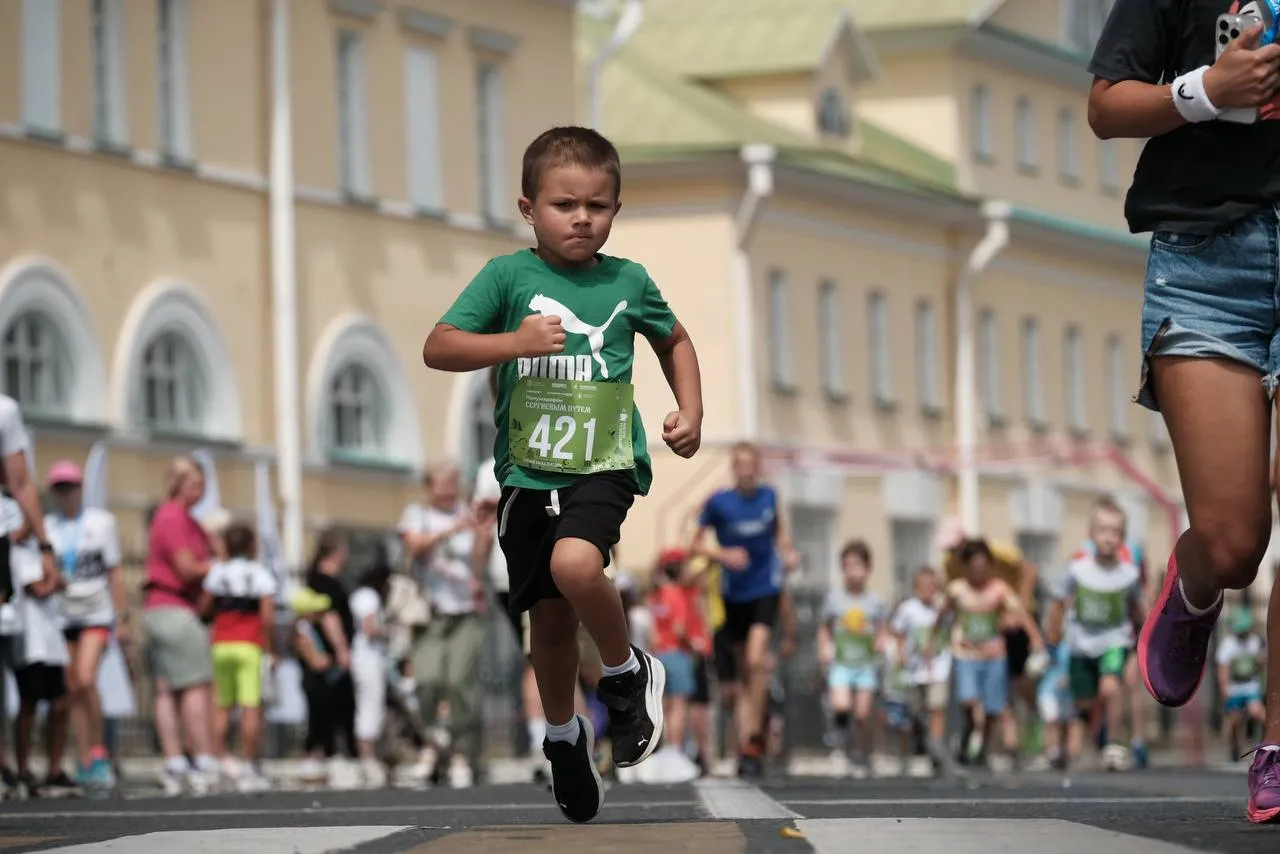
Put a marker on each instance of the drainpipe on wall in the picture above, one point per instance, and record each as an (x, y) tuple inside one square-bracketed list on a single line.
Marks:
[(628, 23), (759, 159), (992, 244), (284, 294)]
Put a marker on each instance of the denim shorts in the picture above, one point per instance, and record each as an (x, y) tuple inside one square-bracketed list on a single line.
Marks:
[(1215, 296), (855, 678), (985, 682), (680, 674)]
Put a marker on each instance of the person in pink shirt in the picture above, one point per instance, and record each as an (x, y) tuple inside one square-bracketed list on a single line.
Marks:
[(177, 642)]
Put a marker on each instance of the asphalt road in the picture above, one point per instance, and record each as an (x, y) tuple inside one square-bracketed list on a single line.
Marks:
[(1158, 812)]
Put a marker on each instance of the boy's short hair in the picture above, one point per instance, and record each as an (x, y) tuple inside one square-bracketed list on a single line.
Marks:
[(971, 548), (924, 571), (1108, 504), (569, 146), (857, 548), (239, 538)]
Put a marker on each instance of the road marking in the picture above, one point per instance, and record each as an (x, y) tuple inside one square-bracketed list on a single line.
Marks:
[(737, 799), (705, 837), (975, 836), (268, 840), (544, 806), (930, 802)]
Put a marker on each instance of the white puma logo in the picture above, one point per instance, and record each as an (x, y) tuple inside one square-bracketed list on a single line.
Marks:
[(545, 305)]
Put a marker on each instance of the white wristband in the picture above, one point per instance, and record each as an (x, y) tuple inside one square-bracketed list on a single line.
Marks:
[(1190, 99)]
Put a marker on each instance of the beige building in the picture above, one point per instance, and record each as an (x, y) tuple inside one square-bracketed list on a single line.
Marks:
[(231, 225), (899, 249)]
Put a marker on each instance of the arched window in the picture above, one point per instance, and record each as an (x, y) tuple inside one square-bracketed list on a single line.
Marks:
[(39, 371), (357, 412), (173, 385)]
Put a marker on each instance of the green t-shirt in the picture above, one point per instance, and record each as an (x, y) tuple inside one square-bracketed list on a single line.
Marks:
[(601, 310)]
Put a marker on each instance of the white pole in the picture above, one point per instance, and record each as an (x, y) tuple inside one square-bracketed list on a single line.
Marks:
[(995, 240), (284, 289), (628, 22)]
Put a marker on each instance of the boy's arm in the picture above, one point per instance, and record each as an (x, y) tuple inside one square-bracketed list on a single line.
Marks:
[(948, 605), (786, 623), (267, 611), (449, 348), (682, 429)]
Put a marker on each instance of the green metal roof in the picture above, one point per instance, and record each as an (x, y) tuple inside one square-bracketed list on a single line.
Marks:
[(650, 107)]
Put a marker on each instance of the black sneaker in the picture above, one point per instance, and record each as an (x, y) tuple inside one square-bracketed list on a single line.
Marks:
[(634, 701), (575, 783)]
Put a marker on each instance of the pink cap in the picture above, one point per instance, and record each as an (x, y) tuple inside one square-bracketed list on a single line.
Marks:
[(65, 471)]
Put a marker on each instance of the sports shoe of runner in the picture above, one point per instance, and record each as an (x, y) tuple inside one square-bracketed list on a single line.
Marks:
[(634, 701), (575, 782)]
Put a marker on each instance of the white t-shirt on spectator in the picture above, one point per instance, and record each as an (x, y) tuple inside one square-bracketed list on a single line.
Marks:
[(86, 549), (41, 640), (13, 432), (366, 602), (488, 489), (445, 572), (240, 578)]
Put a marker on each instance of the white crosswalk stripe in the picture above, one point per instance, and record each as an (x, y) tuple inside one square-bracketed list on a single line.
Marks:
[(270, 840), (974, 836)]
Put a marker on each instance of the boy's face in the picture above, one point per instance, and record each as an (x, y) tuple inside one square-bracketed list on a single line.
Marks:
[(926, 586), (1107, 533), (855, 572), (746, 469), (573, 213), (978, 571)]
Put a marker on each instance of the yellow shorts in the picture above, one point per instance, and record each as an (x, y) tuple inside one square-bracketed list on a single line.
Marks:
[(237, 674)]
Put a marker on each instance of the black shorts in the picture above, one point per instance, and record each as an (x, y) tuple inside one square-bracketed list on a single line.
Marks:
[(739, 617), (530, 521), (38, 682), (1017, 645), (6, 573), (726, 660), (701, 682)]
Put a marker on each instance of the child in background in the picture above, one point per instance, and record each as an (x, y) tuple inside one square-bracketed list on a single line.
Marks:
[(1057, 709), (369, 670), (896, 696), (677, 639), (851, 635), (1242, 659), (929, 679), (239, 593)]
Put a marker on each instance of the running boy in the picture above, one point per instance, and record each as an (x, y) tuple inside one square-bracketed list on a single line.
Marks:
[(1241, 660), (928, 678), (982, 603), (240, 594), (850, 640), (1101, 596), (1207, 187), (560, 322)]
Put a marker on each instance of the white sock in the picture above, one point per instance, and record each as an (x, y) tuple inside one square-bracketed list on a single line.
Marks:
[(565, 732), (1196, 612), (176, 765), (207, 764), (537, 730), (631, 665)]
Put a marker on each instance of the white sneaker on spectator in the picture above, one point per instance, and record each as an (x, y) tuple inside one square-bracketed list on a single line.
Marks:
[(343, 774), (201, 783), (460, 774), (174, 782), (312, 772), (422, 770), (251, 781), (373, 774)]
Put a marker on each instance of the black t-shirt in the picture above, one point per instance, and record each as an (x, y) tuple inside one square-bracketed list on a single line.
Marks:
[(337, 593), (1201, 177)]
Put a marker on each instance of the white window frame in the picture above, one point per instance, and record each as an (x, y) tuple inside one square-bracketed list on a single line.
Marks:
[(354, 167), (879, 335), (1033, 374), (41, 66), (491, 108), (927, 357), (780, 361), (981, 139), (358, 401), (1068, 146), (422, 128), (1117, 388), (34, 347), (110, 117), (1024, 122), (1073, 356), (830, 318), (989, 355), (173, 110), (1109, 166), (171, 365)]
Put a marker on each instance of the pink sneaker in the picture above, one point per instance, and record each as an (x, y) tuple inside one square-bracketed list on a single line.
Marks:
[(1264, 784)]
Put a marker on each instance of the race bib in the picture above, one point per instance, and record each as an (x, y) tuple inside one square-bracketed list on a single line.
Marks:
[(855, 649), (570, 426), (1096, 610), (979, 627), (1244, 668)]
